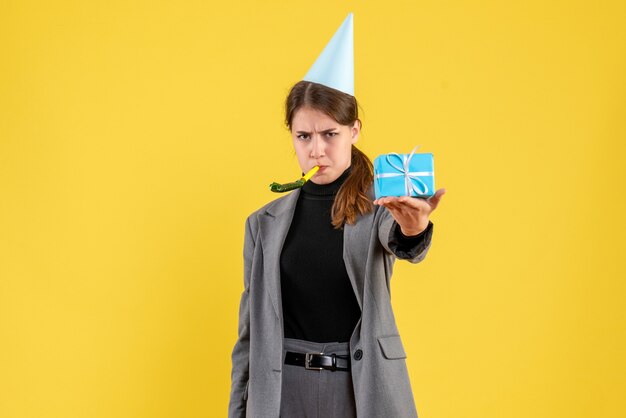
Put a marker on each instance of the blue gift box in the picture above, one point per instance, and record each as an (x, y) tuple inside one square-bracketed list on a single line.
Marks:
[(404, 175)]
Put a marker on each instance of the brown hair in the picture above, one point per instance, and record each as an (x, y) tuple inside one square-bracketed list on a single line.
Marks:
[(352, 199)]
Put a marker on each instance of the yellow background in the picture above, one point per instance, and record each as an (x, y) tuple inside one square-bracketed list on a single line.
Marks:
[(136, 136)]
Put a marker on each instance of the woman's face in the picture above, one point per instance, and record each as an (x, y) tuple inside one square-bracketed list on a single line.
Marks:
[(320, 140)]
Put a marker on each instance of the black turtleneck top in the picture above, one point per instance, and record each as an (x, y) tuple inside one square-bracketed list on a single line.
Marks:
[(319, 303)]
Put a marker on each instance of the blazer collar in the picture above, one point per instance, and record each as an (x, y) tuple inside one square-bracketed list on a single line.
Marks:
[(284, 205)]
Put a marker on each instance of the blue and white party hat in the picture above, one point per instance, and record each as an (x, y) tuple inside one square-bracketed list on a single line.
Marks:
[(335, 65)]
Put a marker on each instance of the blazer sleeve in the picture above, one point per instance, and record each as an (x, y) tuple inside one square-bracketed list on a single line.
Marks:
[(241, 351), (412, 249)]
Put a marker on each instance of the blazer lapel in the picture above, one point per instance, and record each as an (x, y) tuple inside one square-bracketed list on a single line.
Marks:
[(356, 241), (274, 225), (355, 247)]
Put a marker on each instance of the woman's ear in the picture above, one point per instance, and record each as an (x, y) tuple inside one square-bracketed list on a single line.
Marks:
[(355, 130)]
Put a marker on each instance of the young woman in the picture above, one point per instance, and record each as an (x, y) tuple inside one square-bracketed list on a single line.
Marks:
[(317, 334)]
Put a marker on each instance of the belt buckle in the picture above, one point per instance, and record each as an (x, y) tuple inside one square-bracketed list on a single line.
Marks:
[(307, 361)]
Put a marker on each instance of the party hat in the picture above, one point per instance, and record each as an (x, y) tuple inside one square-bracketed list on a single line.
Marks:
[(335, 65)]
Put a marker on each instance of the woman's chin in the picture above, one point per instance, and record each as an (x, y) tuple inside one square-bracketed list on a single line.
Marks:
[(324, 178)]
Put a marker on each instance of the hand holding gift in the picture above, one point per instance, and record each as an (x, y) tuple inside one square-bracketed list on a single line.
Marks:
[(404, 184), (411, 213)]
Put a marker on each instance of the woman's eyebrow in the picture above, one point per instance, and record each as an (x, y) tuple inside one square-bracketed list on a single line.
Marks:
[(325, 131)]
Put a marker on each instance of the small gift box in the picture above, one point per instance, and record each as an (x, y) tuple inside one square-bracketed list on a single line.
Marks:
[(404, 175)]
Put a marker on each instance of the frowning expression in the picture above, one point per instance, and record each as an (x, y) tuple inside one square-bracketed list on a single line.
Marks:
[(320, 140)]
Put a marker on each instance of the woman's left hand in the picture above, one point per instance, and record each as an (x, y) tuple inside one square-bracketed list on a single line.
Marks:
[(409, 212)]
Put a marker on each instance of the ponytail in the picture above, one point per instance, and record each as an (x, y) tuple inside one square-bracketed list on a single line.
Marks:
[(352, 199)]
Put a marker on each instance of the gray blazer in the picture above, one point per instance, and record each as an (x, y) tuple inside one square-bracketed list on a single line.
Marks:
[(380, 377)]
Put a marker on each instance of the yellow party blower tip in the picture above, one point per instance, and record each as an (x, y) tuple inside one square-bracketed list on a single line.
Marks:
[(281, 188)]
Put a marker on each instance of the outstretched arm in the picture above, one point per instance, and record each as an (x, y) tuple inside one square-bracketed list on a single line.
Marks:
[(405, 229), (411, 213)]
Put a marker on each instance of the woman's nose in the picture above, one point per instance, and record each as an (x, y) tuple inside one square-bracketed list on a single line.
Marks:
[(317, 148)]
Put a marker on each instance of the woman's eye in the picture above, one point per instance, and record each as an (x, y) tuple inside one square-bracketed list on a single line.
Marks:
[(331, 134), (303, 137)]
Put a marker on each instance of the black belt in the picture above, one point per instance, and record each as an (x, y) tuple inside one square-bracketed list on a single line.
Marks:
[(318, 361)]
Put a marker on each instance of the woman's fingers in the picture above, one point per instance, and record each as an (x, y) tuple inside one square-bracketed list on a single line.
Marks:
[(390, 202), (436, 198), (411, 203), (384, 201), (411, 213), (400, 203)]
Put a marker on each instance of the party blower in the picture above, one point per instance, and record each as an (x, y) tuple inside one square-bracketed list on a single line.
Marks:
[(281, 188)]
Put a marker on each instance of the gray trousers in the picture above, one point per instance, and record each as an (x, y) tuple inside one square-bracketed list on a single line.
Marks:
[(316, 393)]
